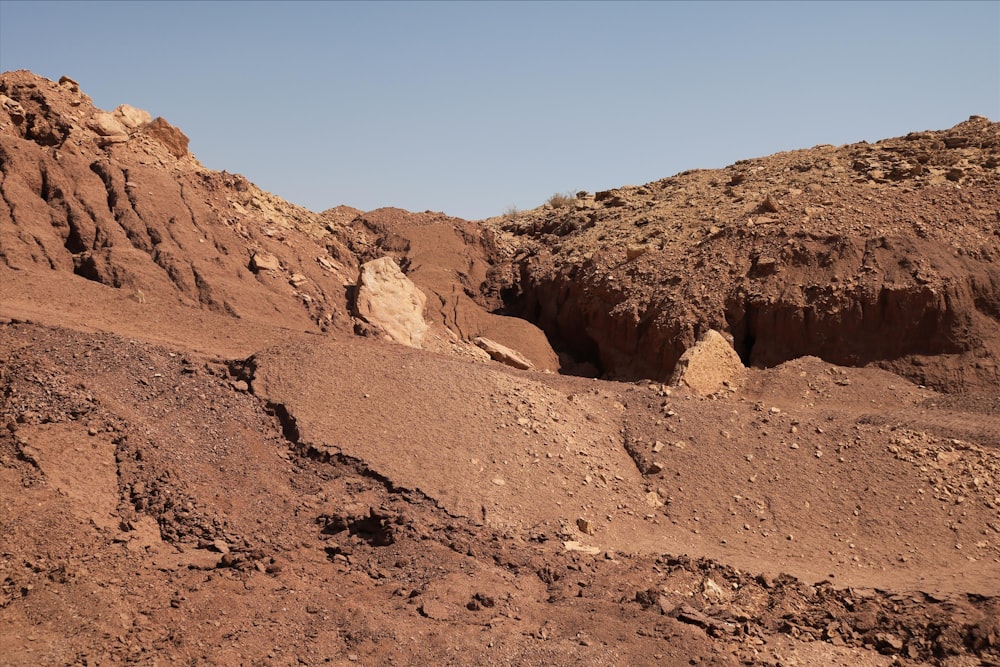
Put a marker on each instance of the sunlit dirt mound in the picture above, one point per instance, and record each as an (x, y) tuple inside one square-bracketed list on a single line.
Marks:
[(885, 253)]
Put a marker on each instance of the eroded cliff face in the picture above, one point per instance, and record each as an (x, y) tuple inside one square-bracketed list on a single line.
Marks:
[(116, 198), (884, 253)]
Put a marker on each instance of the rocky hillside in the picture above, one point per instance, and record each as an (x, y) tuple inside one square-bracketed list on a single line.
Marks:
[(117, 199), (237, 432), (884, 253)]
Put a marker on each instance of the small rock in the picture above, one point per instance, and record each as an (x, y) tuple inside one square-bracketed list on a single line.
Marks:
[(581, 548), (769, 205), (131, 117), (634, 251), (585, 526), (709, 366), (887, 640), (503, 354), (106, 125), (264, 261), (654, 468), (711, 590), (175, 141), (13, 108)]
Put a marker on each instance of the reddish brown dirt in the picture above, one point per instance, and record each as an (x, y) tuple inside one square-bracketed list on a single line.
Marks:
[(200, 465)]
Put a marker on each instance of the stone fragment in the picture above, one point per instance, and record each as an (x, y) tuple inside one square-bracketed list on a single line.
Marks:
[(131, 117), (769, 205), (765, 266), (264, 261), (585, 526), (634, 251), (13, 109), (503, 354), (709, 366), (106, 125), (388, 300), (889, 641), (173, 139), (70, 83), (580, 548), (688, 614), (711, 590)]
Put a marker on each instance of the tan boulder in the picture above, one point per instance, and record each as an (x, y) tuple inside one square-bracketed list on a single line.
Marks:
[(709, 366), (264, 261), (388, 300), (503, 354), (106, 125), (131, 117)]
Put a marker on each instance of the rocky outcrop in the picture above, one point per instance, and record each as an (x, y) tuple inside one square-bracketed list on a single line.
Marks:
[(390, 302), (173, 139), (116, 199), (711, 365), (884, 253), (131, 117)]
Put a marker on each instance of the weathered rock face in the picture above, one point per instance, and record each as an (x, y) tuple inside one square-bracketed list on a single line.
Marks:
[(884, 253), (389, 301), (710, 366), (175, 141), (116, 198)]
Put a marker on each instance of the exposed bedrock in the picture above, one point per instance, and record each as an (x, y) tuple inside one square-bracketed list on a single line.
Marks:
[(899, 303)]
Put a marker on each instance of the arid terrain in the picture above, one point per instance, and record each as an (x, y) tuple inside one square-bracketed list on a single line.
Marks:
[(737, 416)]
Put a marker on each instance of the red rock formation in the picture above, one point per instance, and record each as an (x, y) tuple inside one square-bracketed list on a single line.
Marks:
[(884, 253)]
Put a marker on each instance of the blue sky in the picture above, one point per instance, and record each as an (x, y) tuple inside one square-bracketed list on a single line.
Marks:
[(474, 107)]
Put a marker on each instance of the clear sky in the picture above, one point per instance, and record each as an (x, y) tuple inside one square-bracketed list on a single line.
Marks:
[(472, 108)]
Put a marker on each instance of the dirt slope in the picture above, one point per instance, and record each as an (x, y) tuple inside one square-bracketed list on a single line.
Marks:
[(199, 465)]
